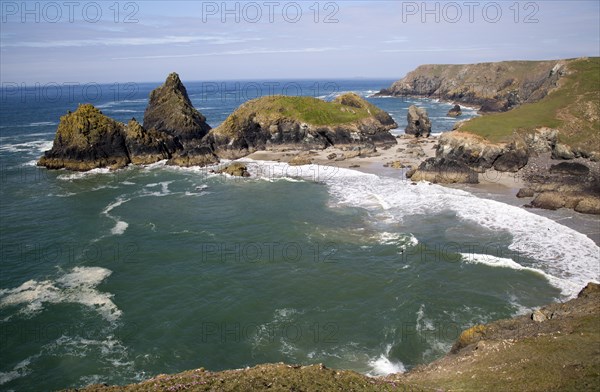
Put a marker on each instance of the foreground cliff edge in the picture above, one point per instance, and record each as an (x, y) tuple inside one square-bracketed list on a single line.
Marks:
[(554, 348), (174, 130)]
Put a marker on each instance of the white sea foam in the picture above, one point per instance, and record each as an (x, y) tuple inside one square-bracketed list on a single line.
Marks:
[(567, 257), (382, 365), (119, 228), (21, 369), (36, 146), (80, 175), (120, 225), (77, 286)]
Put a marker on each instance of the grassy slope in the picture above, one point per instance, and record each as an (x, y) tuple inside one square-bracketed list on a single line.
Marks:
[(573, 109), (304, 109)]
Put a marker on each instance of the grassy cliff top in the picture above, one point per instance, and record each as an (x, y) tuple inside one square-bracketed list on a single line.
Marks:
[(347, 108), (518, 69), (573, 108)]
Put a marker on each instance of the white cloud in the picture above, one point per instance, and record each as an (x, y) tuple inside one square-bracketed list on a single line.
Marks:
[(231, 53), (170, 39)]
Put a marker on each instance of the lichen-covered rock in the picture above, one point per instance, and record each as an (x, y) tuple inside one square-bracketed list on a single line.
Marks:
[(196, 156), (171, 111), (419, 124), (525, 192), (236, 169), (562, 151), (444, 171), (87, 139), (468, 337), (300, 160), (589, 205)]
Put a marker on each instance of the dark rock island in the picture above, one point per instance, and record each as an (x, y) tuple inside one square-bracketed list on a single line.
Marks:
[(279, 122)]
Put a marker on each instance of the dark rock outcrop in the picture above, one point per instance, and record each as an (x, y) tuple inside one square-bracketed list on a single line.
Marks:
[(279, 123), (419, 124), (570, 168), (170, 111), (444, 171), (480, 154), (146, 147), (455, 111)]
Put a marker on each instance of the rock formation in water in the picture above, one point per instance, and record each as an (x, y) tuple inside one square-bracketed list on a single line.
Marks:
[(170, 111), (281, 122), (87, 139), (455, 111), (419, 124)]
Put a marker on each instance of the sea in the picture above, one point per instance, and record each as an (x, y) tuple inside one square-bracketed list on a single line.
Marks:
[(115, 277)]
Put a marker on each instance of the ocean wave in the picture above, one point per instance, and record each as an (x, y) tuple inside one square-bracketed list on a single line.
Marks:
[(77, 286)]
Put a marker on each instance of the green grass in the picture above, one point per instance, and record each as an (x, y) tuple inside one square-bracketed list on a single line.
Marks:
[(346, 109), (572, 109)]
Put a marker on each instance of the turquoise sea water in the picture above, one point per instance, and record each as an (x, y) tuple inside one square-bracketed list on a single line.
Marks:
[(116, 277)]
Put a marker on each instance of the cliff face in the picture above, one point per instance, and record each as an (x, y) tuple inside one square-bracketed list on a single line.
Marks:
[(281, 122), (492, 86)]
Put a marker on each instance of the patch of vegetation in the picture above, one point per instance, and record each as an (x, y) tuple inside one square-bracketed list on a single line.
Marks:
[(573, 109), (347, 108)]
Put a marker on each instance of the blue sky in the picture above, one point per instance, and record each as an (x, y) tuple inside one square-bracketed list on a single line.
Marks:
[(136, 41)]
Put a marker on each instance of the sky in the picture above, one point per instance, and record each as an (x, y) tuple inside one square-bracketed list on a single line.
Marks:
[(142, 41)]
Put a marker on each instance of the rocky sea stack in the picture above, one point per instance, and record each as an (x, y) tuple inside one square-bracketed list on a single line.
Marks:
[(419, 124), (170, 111), (280, 122), (87, 139)]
